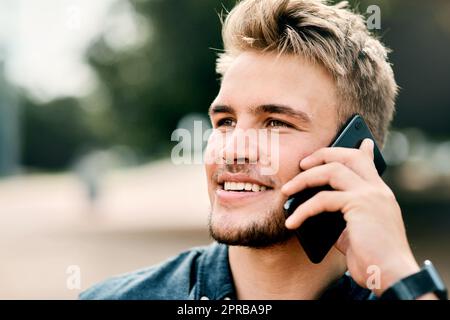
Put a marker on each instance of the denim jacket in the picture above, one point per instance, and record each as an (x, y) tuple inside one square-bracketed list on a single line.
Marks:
[(199, 273)]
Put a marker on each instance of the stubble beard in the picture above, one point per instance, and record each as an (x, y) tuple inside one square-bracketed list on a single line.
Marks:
[(266, 232)]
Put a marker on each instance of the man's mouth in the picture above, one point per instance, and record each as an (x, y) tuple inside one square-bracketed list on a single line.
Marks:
[(242, 186), (239, 188)]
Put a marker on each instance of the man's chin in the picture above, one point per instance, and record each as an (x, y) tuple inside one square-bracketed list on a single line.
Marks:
[(254, 234)]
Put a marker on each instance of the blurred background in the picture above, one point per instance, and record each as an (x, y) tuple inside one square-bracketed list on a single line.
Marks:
[(90, 93)]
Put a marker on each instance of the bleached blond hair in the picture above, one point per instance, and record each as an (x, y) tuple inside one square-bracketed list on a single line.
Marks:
[(331, 35)]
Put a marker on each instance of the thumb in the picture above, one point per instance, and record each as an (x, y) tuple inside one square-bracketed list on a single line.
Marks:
[(343, 242)]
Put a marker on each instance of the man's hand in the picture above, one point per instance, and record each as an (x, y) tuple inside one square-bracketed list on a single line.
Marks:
[(375, 233)]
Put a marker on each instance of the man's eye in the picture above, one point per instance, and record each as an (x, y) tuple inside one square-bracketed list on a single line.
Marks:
[(227, 122), (277, 123)]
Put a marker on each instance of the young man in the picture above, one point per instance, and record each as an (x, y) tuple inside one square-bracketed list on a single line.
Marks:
[(300, 68)]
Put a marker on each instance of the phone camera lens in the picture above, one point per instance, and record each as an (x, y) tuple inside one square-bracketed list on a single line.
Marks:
[(358, 125)]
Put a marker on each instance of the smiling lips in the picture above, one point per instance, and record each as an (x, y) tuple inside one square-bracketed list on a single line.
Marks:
[(239, 187), (240, 182)]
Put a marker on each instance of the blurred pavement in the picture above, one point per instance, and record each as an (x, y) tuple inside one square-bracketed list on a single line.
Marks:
[(141, 217)]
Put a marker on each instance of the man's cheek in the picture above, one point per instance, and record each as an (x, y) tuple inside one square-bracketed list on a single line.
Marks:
[(289, 164), (210, 169), (269, 146), (212, 154)]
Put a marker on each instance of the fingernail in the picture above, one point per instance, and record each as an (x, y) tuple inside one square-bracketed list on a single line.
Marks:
[(303, 163), (288, 222), (367, 142)]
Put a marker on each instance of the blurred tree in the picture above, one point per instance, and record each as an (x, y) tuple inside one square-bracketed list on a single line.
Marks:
[(9, 126), (54, 134), (418, 32), (147, 88), (153, 86)]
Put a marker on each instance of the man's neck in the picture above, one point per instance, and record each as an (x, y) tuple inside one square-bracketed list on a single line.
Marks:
[(282, 272)]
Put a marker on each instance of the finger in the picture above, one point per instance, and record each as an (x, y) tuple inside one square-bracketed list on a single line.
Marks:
[(367, 147), (324, 201), (358, 160), (334, 174)]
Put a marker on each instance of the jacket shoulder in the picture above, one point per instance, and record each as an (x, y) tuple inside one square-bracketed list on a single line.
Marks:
[(170, 279)]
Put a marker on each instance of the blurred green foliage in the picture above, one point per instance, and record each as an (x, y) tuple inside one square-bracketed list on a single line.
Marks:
[(54, 134), (145, 91), (155, 85)]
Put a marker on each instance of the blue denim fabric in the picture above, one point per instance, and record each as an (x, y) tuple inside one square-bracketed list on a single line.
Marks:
[(201, 272)]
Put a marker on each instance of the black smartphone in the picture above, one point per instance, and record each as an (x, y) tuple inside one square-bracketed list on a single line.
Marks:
[(319, 233)]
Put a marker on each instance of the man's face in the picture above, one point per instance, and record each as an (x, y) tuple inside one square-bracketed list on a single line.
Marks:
[(287, 95)]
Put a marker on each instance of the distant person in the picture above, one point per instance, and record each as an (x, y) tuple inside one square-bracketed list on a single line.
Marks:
[(300, 67)]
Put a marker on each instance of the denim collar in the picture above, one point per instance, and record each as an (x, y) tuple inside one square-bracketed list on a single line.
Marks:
[(213, 275), (213, 280)]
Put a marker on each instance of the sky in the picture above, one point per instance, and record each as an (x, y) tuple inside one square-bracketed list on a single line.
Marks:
[(43, 42)]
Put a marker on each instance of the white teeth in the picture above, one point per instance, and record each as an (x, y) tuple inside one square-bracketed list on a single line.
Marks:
[(241, 186)]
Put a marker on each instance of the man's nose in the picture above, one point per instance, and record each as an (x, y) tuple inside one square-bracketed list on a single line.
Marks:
[(241, 147)]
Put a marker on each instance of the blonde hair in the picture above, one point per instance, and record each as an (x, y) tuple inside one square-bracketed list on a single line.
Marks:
[(330, 35)]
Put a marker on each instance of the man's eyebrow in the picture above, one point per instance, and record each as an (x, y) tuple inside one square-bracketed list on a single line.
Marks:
[(214, 109), (282, 109), (265, 108)]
